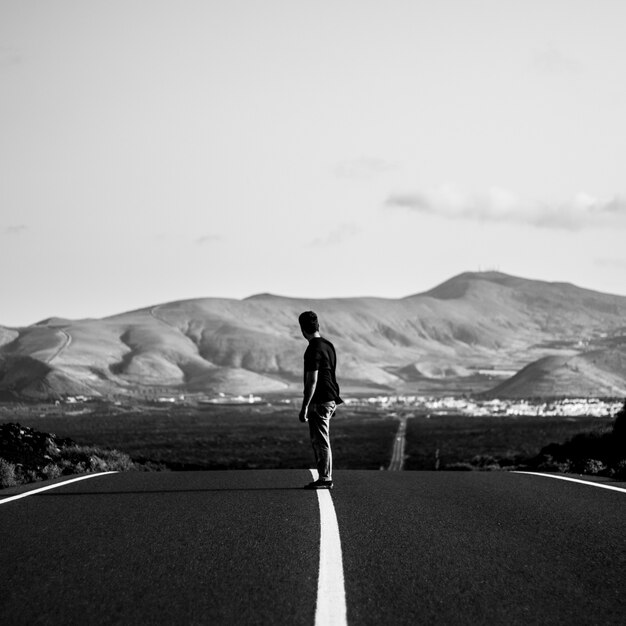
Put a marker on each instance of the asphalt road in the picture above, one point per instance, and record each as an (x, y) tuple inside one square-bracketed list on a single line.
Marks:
[(242, 547), (399, 444)]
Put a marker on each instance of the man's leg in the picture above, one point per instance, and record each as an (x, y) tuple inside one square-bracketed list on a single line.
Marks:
[(319, 429)]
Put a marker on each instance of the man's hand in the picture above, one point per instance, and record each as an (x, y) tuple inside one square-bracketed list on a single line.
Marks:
[(310, 381)]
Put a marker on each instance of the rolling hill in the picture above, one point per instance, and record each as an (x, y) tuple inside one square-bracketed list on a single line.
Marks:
[(594, 373), (469, 333)]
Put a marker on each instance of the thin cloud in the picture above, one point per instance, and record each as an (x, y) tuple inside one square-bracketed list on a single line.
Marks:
[(501, 205), (15, 229), (551, 61), (364, 168), (207, 239), (336, 236)]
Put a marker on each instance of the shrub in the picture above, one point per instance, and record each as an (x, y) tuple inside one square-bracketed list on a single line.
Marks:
[(77, 459), (28, 475), (116, 460), (590, 466), (96, 464), (29, 455), (460, 467), (619, 471), (7, 474), (485, 462), (585, 453), (51, 471), (547, 463), (151, 466)]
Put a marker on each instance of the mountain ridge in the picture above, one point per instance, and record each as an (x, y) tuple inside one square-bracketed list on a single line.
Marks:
[(443, 339)]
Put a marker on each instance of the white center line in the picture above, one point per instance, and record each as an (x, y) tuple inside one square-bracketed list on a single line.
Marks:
[(575, 480), (331, 594), (32, 492)]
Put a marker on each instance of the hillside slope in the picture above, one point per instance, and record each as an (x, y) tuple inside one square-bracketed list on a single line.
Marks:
[(472, 325), (595, 373)]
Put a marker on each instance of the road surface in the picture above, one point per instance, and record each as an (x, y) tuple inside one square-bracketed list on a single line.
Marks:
[(243, 547), (399, 443), (66, 341)]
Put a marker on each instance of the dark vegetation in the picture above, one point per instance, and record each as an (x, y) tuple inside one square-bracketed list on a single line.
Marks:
[(600, 452), (222, 437), (266, 436), (581, 445), (28, 455), (456, 442)]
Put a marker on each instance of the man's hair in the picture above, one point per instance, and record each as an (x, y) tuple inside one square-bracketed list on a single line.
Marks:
[(308, 322)]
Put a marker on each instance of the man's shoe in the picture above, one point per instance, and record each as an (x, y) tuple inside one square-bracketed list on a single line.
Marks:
[(320, 484)]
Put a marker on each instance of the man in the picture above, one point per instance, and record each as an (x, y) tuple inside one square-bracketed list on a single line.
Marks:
[(321, 396)]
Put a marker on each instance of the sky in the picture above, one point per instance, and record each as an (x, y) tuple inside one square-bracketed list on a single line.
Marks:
[(158, 150)]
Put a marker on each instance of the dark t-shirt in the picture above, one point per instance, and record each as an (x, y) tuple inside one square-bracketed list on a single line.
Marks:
[(320, 355)]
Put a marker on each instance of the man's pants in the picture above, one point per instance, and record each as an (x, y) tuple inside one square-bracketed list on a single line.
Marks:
[(319, 428)]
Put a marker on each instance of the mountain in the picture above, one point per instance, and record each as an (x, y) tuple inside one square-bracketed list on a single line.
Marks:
[(594, 373), (468, 333)]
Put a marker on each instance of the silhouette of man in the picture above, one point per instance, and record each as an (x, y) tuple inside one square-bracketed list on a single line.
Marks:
[(321, 396)]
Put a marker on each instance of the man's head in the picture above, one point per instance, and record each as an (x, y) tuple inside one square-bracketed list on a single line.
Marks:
[(308, 323)]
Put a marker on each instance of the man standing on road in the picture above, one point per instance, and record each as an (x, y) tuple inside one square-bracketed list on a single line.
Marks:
[(321, 396)]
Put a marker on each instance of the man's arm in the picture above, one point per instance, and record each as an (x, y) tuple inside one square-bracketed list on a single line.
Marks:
[(310, 382)]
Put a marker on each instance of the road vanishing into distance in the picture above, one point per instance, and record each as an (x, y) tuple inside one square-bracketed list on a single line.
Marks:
[(253, 547), (399, 444)]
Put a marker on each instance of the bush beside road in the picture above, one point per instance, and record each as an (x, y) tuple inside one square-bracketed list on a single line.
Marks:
[(28, 455)]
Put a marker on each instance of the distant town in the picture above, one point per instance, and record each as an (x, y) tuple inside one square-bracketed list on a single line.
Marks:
[(466, 406), (451, 405), (390, 404)]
